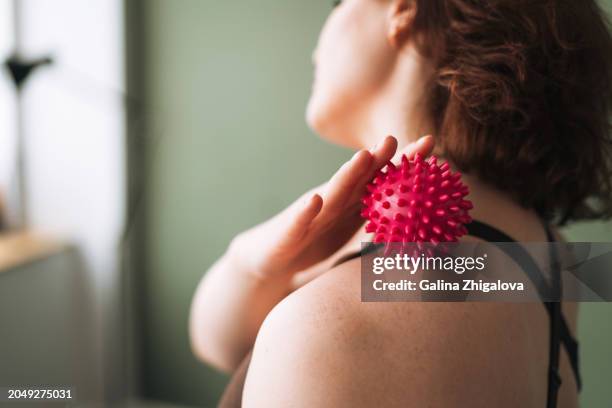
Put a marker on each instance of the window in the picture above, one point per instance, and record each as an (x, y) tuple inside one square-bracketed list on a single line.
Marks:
[(8, 111)]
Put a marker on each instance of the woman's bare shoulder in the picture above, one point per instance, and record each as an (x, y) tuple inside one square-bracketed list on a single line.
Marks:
[(323, 347)]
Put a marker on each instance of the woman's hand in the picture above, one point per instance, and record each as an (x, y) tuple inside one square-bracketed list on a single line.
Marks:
[(321, 221), (256, 272)]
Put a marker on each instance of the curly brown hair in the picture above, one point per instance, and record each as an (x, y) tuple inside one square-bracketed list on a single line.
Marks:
[(522, 97)]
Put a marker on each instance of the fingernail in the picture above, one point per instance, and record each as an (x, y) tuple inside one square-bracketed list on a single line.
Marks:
[(309, 201), (377, 145), (355, 155), (422, 139)]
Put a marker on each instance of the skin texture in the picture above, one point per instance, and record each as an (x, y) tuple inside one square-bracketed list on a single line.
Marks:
[(315, 342), (341, 352)]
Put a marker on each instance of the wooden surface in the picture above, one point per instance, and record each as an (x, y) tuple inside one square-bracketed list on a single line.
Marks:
[(21, 247)]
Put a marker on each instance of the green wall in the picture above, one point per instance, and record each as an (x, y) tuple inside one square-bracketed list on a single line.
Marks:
[(226, 85), (594, 330)]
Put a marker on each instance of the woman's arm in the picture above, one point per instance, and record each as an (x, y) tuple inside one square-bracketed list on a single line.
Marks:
[(228, 308)]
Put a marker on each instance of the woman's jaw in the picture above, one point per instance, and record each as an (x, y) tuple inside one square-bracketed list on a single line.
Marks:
[(362, 116)]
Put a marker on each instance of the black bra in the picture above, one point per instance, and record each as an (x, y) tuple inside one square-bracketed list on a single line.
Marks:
[(559, 331)]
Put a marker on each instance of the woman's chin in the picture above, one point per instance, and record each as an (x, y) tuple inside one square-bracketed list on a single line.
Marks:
[(320, 122), (319, 125), (326, 122), (314, 115)]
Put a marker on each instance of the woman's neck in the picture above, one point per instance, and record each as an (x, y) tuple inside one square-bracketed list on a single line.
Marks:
[(500, 209), (399, 107)]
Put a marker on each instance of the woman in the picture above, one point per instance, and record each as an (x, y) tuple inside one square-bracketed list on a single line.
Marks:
[(518, 94)]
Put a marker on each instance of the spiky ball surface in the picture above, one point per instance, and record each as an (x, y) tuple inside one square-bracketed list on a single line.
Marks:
[(418, 201)]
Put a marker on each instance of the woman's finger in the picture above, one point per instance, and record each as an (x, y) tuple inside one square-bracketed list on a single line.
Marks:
[(424, 146), (303, 216), (382, 153), (342, 184)]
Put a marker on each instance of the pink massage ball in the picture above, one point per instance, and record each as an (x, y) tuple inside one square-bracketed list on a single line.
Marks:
[(419, 201)]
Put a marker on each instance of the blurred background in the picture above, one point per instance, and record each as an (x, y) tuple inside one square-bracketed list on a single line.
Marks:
[(137, 138)]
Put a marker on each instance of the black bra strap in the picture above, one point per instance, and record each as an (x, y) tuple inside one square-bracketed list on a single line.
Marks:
[(554, 379), (365, 249), (558, 325), (571, 346), (519, 254), (488, 233)]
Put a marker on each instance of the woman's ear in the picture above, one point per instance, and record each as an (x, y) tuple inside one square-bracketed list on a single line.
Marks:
[(401, 18)]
